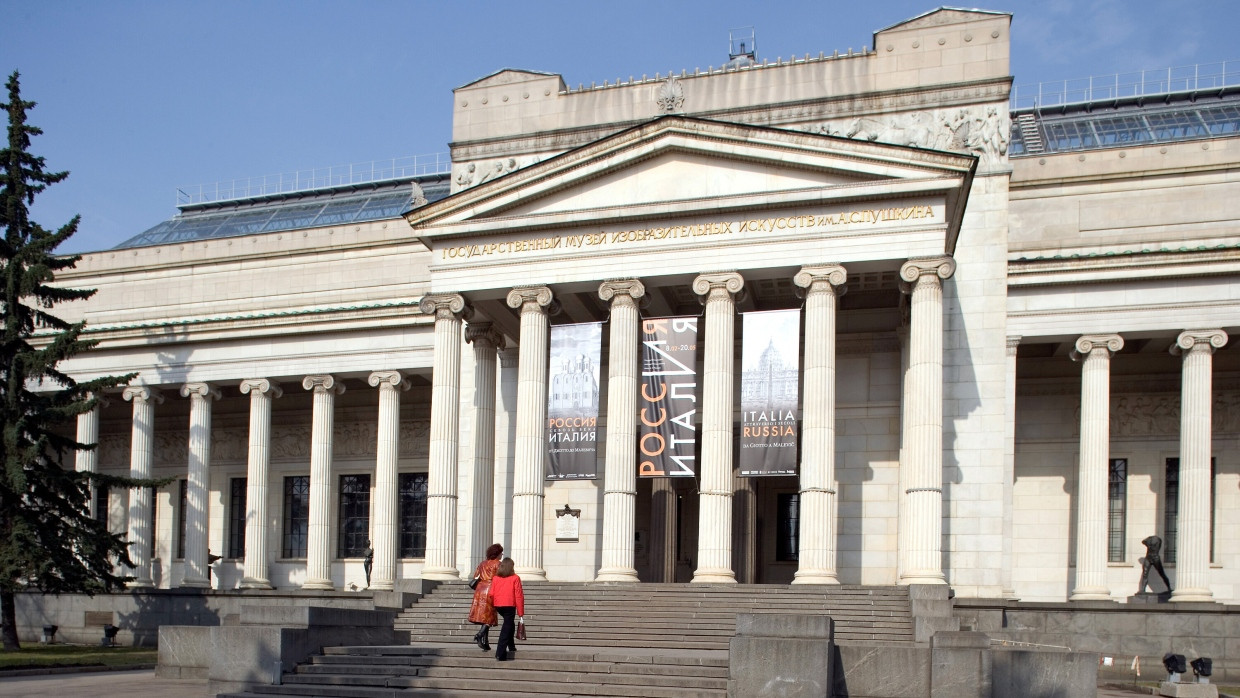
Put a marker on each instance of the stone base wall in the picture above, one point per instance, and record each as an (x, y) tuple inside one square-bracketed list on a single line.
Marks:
[(1123, 632), (80, 618)]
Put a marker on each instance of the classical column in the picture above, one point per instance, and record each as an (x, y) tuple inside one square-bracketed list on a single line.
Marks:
[(319, 532), (620, 473), (88, 461), (1192, 562), (258, 461), (1094, 352), (449, 309), (200, 395), (142, 447), (823, 285), (385, 532), (485, 340), (1009, 469), (663, 511), (922, 465), (505, 444), (531, 442), (715, 497)]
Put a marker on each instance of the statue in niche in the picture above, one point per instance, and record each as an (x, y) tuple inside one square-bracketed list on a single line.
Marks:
[(1153, 546), (368, 561)]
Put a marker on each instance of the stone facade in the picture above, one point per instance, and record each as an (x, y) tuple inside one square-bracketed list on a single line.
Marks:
[(962, 444)]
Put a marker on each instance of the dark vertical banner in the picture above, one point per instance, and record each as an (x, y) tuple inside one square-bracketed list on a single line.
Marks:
[(667, 399), (572, 402), (770, 368)]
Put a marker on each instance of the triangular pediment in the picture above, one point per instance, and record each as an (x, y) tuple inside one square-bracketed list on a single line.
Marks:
[(508, 76), (944, 16), (681, 166), (676, 175)]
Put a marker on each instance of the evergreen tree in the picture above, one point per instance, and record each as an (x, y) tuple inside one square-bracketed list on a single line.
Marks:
[(48, 539)]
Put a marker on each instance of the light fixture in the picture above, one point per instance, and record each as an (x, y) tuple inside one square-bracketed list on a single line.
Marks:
[(1175, 665), (1202, 668), (109, 635)]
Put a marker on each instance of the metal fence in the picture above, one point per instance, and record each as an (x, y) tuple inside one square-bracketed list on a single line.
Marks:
[(1203, 76), (306, 180)]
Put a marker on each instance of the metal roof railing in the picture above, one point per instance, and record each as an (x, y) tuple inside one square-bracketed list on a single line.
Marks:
[(1202, 76), (319, 178)]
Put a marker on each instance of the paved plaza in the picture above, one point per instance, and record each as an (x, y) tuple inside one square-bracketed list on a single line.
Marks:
[(127, 684)]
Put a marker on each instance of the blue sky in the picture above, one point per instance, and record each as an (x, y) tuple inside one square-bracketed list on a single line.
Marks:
[(139, 98)]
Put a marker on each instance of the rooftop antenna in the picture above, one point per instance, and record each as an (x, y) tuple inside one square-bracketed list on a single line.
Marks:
[(742, 48)]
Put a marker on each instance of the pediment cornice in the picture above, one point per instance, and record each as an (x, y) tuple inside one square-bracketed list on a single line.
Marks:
[(801, 168)]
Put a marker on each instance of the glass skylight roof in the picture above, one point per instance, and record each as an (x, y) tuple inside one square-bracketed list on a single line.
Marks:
[(314, 209), (1089, 126)]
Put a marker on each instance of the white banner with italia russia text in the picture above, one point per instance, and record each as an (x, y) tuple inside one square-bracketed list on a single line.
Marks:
[(770, 371)]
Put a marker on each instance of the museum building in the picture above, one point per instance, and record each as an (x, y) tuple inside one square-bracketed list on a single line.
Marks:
[(1003, 362)]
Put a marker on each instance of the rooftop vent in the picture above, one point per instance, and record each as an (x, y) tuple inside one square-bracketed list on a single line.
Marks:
[(742, 48)]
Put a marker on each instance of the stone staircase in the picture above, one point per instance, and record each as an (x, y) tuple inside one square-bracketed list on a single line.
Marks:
[(685, 616), (643, 640)]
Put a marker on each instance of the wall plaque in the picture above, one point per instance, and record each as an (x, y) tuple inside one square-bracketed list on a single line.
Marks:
[(567, 525)]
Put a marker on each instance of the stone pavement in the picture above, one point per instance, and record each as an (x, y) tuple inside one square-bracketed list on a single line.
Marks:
[(127, 684), (101, 684)]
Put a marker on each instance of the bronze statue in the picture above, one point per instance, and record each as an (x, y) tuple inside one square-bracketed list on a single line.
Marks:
[(369, 562), (1153, 544)]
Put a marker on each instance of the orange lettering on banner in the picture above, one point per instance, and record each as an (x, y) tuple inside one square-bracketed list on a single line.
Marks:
[(662, 416)]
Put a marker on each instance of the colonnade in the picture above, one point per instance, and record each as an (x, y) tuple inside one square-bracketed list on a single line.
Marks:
[(1095, 352), (919, 537), (822, 284), (920, 553)]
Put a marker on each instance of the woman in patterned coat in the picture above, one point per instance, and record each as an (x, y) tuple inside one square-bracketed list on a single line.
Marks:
[(482, 610)]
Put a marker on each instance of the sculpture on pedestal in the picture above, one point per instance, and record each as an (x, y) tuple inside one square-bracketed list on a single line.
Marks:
[(1153, 545)]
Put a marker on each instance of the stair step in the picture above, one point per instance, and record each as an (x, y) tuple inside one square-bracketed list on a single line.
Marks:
[(619, 640)]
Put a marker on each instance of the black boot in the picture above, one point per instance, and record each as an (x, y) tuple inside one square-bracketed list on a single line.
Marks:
[(482, 638)]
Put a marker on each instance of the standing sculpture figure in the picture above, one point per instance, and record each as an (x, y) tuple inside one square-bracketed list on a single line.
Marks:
[(369, 562), (1153, 544)]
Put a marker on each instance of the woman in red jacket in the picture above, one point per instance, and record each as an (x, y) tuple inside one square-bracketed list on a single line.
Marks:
[(509, 600), (482, 611)]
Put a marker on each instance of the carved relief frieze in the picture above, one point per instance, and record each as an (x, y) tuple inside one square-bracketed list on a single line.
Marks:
[(474, 173), (1159, 415), (980, 130), (798, 116)]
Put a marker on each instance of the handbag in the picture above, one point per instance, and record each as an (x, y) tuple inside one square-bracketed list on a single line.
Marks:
[(521, 631), (473, 583)]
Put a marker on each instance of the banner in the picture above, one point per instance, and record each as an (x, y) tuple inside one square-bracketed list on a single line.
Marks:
[(770, 368), (572, 402), (667, 403)]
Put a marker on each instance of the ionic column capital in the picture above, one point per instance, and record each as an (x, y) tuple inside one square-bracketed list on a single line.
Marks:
[(621, 291), (483, 334), (537, 296), (261, 386), (919, 268), (509, 358), (143, 393), (1085, 344), (201, 390), (394, 380), (1199, 340), (729, 281), (322, 383), (822, 277), (445, 306), (1013, 341)]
